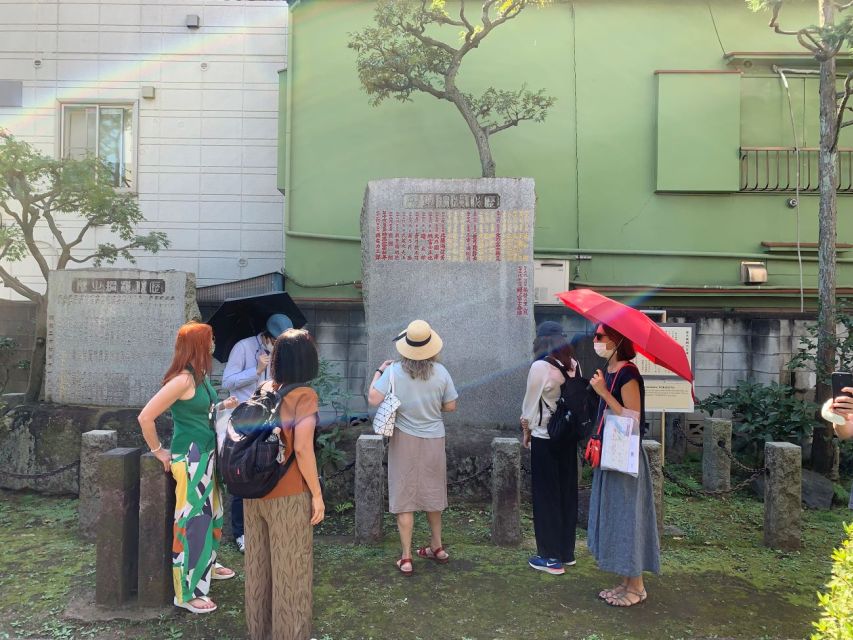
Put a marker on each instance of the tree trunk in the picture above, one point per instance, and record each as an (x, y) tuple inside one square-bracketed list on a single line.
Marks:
[(37, 361), (487, 164), (822, 446)]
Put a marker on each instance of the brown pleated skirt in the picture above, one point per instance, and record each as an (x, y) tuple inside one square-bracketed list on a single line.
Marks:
[(417, 474)]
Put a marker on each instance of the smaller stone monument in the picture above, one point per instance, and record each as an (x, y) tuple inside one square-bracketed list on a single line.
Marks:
[(118, 523), (156, 520), (716, 455), (111, 332), (92, 445), (506, 481), (370, 480), (783, 496)]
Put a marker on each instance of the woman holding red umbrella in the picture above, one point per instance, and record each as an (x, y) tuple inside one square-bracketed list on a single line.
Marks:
[(622, 530)]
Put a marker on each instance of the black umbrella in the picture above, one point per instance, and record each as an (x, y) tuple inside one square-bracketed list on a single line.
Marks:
[(239, 318)]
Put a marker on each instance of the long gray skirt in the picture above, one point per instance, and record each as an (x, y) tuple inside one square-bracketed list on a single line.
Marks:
[(417, 473), (622, 533)]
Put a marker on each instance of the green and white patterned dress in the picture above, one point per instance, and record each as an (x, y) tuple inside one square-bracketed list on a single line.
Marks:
[(198, 501)]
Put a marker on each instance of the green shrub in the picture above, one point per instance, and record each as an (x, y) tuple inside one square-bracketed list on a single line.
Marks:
[(836, 620), (763, 413), (331, 389)]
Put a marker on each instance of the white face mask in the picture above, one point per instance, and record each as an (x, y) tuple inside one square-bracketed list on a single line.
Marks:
[(601, 350)]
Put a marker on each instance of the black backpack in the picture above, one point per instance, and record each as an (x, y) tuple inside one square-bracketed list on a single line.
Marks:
[(250, 459), (573, 416)]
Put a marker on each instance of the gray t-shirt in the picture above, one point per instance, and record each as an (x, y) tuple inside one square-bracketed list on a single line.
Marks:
[(420, 400)]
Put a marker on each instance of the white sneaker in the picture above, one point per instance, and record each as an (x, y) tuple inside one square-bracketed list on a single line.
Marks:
[(241, 544)]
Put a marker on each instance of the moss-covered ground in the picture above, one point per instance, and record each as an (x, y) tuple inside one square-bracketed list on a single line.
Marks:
[(718, 581)]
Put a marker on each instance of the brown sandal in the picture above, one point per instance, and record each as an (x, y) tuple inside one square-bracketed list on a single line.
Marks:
[(432, 554), (623, 600), (611, 593), (403, 561)]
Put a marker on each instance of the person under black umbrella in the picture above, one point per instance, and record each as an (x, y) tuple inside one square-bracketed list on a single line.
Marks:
[(248, 368)]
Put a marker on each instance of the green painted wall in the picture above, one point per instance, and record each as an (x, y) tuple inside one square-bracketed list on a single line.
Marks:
[(594, 159)]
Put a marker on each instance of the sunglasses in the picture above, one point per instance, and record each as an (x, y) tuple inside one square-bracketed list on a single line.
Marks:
[(599, 336)]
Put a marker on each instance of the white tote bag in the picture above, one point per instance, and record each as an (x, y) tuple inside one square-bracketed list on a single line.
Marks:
[(386, 414), (621, 444), (223, 419)]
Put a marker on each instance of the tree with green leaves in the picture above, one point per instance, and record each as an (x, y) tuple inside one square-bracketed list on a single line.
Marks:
[(825, 41), (403, 53), (36, 193)]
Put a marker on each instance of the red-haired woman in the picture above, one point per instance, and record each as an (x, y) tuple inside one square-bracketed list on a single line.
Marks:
[(198, 505)]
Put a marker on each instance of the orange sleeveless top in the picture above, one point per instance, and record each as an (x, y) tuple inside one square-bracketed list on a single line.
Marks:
[(298, 404)]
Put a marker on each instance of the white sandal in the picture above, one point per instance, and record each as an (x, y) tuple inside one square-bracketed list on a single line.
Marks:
[(215, 575), (186, 605)]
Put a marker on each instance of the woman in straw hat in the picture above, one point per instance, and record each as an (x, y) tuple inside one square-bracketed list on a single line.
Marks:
[(417, 465)]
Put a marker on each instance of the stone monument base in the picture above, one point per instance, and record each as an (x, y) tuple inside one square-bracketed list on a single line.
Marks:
[(82, 608)]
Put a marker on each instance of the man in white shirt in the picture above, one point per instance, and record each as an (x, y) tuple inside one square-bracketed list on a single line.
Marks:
[(248, 367)]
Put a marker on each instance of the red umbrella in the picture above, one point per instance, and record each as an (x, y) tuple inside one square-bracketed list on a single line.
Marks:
[(648, 338)]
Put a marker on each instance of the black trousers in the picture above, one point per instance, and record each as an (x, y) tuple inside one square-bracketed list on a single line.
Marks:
[(237, 516), (554, 485)]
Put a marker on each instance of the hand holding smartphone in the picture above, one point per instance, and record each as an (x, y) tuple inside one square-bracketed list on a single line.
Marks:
[(841, 379)]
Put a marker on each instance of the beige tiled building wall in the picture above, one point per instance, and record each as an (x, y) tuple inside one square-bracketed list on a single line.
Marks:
[(204, 148)]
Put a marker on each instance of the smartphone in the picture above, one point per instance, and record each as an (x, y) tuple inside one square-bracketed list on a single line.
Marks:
[(841, 379)]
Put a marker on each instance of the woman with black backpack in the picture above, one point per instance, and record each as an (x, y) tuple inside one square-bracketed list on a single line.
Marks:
[(553, 465), (279, 526)]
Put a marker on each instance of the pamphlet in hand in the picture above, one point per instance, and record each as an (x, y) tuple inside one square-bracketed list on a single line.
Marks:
[(621, 444)]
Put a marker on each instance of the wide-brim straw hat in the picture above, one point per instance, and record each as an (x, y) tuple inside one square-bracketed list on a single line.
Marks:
[(418, 341)]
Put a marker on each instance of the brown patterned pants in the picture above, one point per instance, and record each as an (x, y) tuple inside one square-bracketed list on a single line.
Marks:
[(279, 567)]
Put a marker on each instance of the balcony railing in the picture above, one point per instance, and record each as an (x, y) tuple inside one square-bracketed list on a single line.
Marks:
[(774, 170)]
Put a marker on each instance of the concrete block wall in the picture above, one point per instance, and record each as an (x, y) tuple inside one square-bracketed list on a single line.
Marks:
[(339, 329), (757, 349)]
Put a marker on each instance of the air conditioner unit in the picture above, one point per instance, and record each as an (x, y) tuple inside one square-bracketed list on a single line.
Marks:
[(550, 277)]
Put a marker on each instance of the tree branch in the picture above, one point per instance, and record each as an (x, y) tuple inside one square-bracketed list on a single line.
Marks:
[(91, 256), (54, 229), (427, 88), (841, 6), (506, 125), (816, 48), (431, 42), (845, 124), (16, 285), (27, 230), (12, 214), (116, 251), (465, 20), (848, 89), (80, 235)]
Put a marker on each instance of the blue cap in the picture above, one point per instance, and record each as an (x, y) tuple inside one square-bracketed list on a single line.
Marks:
[(277, 324), (550, 328)]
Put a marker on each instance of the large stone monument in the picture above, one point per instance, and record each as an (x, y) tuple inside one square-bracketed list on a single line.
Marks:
[(458, 254), (111, 332)]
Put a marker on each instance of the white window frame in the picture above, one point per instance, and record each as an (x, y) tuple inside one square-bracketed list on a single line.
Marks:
[(98, 104)]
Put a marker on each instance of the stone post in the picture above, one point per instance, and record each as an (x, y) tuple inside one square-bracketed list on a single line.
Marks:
[(369, 488), (676, 440), (506, 480), (783, 495), (716, 465), (118, 523), (92, 445), (653, 452), (156, 518)]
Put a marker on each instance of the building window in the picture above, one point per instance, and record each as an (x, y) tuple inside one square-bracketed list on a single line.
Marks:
[(102, 130)]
